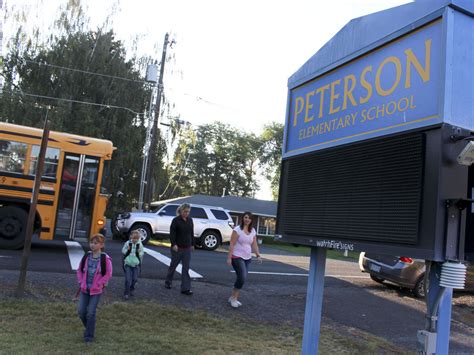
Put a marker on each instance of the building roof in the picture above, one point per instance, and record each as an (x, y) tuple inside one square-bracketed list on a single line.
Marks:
[(360, 34), (232, 203)]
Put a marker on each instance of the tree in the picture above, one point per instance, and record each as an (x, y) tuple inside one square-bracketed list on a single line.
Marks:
[(217, 158), (270, 154), (34, 70)]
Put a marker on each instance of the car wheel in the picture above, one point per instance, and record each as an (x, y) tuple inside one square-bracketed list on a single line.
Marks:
[(12, 227), (116, 234), (144, 231), (377, 279), (419, 290), (210, 240)]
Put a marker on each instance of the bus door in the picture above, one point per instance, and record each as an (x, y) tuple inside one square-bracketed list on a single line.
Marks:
[(77, 195)]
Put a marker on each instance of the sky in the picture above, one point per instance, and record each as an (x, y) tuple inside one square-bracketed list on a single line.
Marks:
[(232, 59)]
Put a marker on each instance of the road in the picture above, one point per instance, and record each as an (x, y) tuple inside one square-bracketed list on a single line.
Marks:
[(350, 297)]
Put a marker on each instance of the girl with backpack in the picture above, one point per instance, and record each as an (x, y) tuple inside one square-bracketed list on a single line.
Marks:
[(132, 259), (93, 275)]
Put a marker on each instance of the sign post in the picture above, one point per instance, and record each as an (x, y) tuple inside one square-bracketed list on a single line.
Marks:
[(314, 301)]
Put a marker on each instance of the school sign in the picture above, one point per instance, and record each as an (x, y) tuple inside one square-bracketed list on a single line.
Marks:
[(375, 122), (391, 89)]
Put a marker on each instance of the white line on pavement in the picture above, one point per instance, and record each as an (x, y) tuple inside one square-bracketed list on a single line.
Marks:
[(75, 252), (165, 260), (274, 273), (293, 274), (5, 256), (349, 276)]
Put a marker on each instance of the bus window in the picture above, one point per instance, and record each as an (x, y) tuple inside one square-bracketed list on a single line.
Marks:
[(50, 161), (77, 201), (12, 156), (86, 197), (67, 195)]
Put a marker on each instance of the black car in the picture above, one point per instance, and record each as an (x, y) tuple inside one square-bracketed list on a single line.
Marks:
[(402, 271)]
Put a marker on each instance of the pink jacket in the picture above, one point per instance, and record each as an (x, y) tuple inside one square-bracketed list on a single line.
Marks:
[(99, 282)]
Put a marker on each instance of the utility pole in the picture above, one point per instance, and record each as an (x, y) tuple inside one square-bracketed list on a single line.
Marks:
[(154, 130), (32, 212), (151, 77)]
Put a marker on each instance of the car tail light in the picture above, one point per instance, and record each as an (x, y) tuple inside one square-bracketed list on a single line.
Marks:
[(405, 259)]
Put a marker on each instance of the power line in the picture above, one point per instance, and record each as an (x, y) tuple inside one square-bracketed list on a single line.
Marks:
[(76, 101), (201, 99), (198, 98), (83, 71)]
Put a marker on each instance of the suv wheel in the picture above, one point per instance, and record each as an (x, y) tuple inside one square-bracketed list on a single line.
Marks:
[(144, 230), (116, 234), (210, 240)]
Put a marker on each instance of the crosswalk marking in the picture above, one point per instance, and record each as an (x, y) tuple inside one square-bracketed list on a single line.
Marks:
[(76, 252), (167, 261)]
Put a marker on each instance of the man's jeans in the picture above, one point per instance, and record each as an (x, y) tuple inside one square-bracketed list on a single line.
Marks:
[(183, 255), (86, 309), (131, 277)]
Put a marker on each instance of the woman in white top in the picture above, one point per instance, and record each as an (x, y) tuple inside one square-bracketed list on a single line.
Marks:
[(242, 242)]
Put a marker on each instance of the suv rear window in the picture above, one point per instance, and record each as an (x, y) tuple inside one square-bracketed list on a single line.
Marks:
[(197, 212), (219, 214)]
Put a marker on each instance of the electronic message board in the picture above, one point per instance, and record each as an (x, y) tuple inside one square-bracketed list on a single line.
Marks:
[(369, 163)]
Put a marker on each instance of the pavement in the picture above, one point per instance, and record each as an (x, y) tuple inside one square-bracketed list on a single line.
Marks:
[(275, 292)]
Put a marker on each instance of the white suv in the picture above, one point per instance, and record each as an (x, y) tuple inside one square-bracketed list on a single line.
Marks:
[(212, 225)]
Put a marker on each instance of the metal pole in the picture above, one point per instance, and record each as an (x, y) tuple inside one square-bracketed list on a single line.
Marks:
[(154, 132), (443, 322), (145, 153), (314, 301), (32, 213)]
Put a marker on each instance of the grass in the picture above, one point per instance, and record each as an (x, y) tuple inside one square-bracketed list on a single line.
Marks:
[(306, 251), (148, 328)]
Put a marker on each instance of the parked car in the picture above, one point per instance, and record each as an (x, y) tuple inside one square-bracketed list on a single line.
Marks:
[(212, 225), (402, 271)]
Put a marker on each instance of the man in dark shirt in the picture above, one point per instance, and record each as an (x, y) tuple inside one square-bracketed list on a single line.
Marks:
[(182, 243)]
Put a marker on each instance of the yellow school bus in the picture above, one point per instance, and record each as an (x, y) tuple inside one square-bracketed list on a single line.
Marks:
[(70, 203)]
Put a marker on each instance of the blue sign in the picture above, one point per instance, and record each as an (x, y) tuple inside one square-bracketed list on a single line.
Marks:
[(392, 89)]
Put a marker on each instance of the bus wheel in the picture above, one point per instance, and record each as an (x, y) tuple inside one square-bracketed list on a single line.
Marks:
[(12, 227)]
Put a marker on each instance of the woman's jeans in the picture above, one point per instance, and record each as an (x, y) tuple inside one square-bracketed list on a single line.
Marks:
[(241, 267), (131, 277), (86, 309)]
